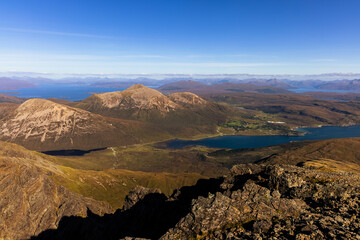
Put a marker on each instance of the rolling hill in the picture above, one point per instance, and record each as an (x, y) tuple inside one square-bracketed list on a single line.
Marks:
[(339, 155), (344, 152), (44, 125), (10, 99), (136, 115), (294, 110), (227, 87), (181, 114), (350, 85), (347, 97)]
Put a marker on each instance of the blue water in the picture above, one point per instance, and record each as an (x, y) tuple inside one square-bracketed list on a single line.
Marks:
[(236, 142), (69, 92)]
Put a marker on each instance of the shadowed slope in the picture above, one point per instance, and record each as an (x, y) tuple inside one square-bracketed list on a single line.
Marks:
[(30, 200), (331, 154), (35, 193)]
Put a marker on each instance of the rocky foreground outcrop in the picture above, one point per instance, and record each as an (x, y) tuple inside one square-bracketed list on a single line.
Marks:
[(252, 202)]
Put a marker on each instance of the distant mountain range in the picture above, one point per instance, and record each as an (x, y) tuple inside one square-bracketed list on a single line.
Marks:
[(177, 77), (136, 115), (13, 84), (348, 82), (201, 88), (140, 114)]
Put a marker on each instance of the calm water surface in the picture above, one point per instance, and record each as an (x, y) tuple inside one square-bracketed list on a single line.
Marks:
[(236, 142), (69, 92)]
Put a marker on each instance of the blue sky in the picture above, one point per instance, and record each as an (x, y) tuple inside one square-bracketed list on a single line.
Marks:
[(173, 36)]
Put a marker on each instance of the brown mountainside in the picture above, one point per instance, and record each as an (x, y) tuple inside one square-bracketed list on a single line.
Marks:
[(139, 98), (10, 99), (44, 125), (30, 201), (333, 154), (7, 108), (293, 109), (181, 113)]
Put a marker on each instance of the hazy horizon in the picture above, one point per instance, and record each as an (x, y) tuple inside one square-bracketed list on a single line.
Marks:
[(179, 76)]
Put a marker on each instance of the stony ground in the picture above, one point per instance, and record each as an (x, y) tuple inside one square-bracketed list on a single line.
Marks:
[(252, 202)]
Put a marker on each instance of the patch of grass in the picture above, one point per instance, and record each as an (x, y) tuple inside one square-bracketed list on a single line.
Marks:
[(321, 180), (147, 158), (113, 185)]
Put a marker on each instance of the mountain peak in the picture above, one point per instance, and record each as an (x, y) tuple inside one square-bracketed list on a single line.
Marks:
[(43, 121), (187, 98), (137, 86), (136, 96)]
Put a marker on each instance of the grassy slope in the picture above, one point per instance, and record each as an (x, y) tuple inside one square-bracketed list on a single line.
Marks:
[(187, 166), (108, 185), (340, 150), (295, 110), (147, 158), (113, 185), (329, 155)]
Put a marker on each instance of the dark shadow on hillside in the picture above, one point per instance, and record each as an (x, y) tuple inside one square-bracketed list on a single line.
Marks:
[(149, 218), (72, 152)]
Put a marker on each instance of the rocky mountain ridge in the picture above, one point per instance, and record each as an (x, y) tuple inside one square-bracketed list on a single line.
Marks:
[(44, 125), (252, 202), (136, 96), (139, 97), (180, 113)]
